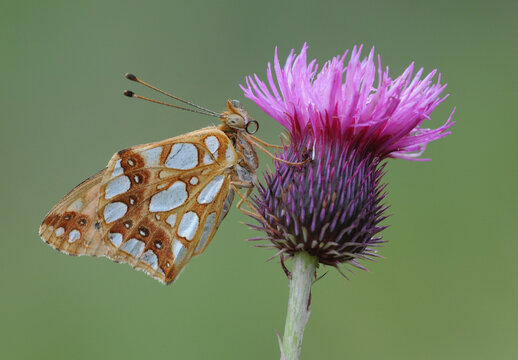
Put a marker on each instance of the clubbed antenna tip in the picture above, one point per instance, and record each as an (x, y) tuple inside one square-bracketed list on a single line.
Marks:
[(131, 77)]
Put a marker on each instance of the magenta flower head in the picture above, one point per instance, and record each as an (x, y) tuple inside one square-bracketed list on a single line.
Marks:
[(343, 120)]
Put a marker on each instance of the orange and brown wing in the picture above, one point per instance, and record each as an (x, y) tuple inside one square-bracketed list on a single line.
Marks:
[(71, 226), (160, 204)]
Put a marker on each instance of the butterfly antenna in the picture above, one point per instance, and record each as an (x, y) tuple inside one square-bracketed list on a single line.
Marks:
[(136, 79), (131, 94)]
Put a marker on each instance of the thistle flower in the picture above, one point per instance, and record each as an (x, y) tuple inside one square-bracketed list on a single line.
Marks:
[(346, 123), (342, 127)]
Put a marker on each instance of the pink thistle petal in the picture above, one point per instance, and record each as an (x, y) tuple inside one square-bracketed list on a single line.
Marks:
[(357, 103)]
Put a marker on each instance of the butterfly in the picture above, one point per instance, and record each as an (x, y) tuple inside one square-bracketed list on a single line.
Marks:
[(156, 206)]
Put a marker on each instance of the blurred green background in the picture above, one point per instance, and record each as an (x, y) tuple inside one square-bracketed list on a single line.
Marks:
[(448, 286)]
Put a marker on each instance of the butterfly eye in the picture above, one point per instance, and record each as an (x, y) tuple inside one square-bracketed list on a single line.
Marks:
[(235, 121), (252, 127), (236, 103)]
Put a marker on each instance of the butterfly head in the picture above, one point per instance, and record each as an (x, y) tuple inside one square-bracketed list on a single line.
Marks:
[(237, 118)]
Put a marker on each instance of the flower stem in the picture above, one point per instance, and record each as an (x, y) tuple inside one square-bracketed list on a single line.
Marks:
[(302, 275)]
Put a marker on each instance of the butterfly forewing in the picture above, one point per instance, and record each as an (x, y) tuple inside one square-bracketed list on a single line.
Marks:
[(160, 204), (71, 226)]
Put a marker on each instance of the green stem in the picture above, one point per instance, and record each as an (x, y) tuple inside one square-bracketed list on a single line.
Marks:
[(302, 276)]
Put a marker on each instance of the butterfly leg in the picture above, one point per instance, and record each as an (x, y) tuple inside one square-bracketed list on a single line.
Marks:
[(275, 157), (244, 198), (265, 143), (241, 184)]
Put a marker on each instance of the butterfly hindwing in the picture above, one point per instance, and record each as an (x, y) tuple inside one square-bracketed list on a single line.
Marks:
[(160, 204), (71, 226)]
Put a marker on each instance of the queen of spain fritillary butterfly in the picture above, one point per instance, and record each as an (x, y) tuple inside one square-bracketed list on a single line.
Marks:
[(157, 205)]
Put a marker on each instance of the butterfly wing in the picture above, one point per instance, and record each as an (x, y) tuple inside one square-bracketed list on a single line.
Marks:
[(71, 226), (160, 204)]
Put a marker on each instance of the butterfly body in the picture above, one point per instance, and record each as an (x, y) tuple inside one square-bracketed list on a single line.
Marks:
[(157, 205)]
